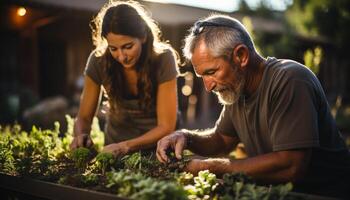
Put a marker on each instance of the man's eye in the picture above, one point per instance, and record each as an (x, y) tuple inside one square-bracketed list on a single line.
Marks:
[(211, 72)]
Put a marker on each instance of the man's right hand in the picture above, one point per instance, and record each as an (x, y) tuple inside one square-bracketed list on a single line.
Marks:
[(81, 140), (176, 141)]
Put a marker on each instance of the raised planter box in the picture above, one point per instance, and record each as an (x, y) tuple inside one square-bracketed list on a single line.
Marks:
[(36, 189), (28, 189)]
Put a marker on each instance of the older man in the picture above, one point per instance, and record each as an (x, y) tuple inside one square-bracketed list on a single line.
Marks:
[(276, 108)]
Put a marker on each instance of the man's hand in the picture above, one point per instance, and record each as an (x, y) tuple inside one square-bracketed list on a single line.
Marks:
[(81, 140), (176, 141), (117, 149), (217, 166), (196, 165)]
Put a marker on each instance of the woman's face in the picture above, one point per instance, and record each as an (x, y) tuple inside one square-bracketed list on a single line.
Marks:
[(125, 49)]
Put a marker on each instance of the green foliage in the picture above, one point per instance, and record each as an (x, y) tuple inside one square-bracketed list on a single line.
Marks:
[(185, 178), (239, 186), (204, 186), (323, 18), (29, 153), (272, 43), (104, 161), (175, 164), (90, 179), (43, 154), (81, 156), (137, 186), (7, 161), (132, 161), (97, 135), (312, 59), (68, 136), (138, 161)]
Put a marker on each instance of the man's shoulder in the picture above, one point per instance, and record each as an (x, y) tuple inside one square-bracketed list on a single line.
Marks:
[(289, 69)]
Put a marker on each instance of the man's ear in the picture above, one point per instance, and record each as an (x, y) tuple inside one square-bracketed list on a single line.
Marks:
[(240, 55)]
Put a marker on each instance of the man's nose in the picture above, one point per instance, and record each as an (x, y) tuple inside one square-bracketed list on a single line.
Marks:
[(209, 83)]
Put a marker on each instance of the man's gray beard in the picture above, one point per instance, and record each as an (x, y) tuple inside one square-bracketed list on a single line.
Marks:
[(230, 96)]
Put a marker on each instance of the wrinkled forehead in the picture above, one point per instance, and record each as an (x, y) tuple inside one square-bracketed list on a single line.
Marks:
[(202, 59)]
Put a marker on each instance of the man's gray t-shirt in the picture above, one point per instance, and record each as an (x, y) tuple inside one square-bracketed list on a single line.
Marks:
[(288, 111), (130, 121)]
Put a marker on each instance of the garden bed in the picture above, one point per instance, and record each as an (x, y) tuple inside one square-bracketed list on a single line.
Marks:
[(39, 165), (27, 188), (36, 189)]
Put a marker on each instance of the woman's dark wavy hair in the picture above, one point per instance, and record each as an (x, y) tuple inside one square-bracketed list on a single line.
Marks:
[(131, 19)]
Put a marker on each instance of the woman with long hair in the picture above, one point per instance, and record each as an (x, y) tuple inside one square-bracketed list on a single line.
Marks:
[(137, 72)]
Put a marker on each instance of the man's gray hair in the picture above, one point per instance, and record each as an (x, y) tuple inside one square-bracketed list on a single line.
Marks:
[(220, 33)]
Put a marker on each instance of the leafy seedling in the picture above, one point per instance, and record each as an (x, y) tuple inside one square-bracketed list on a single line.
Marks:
[(175, 164), (81, 157), (104, 161)]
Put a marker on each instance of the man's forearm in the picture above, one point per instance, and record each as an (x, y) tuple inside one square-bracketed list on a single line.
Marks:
[(274, 167), (206, 143)]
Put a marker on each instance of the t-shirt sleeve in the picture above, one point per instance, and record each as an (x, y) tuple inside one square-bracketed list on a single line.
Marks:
[(224, 124), (167, 68), (93, 69), (293, 120)]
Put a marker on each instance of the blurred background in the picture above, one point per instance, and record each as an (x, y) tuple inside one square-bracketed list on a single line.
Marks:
[(45, 44)]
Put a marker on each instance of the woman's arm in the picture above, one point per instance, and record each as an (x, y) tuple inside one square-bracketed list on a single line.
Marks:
[(88, 104), (166, 116), (166, 121)]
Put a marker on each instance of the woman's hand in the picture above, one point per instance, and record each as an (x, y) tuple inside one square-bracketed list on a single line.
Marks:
[(87, 108), (81, 140), (117, 149)]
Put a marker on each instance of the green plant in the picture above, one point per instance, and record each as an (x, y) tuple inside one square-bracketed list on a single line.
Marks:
[(132, 161), (41, 154), (204, 186), (7, 161), (175, 164), (184, 178), (240, 186), (104, 161), (138, 186), (90, 179), (81, 157)]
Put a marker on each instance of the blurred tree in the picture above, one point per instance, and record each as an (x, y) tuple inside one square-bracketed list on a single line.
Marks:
[(322, 18), (328, 20), (244, 8), (271, 42), (312, 59)]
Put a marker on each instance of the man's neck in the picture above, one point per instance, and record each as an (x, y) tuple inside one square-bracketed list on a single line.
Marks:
[(254, 73)]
